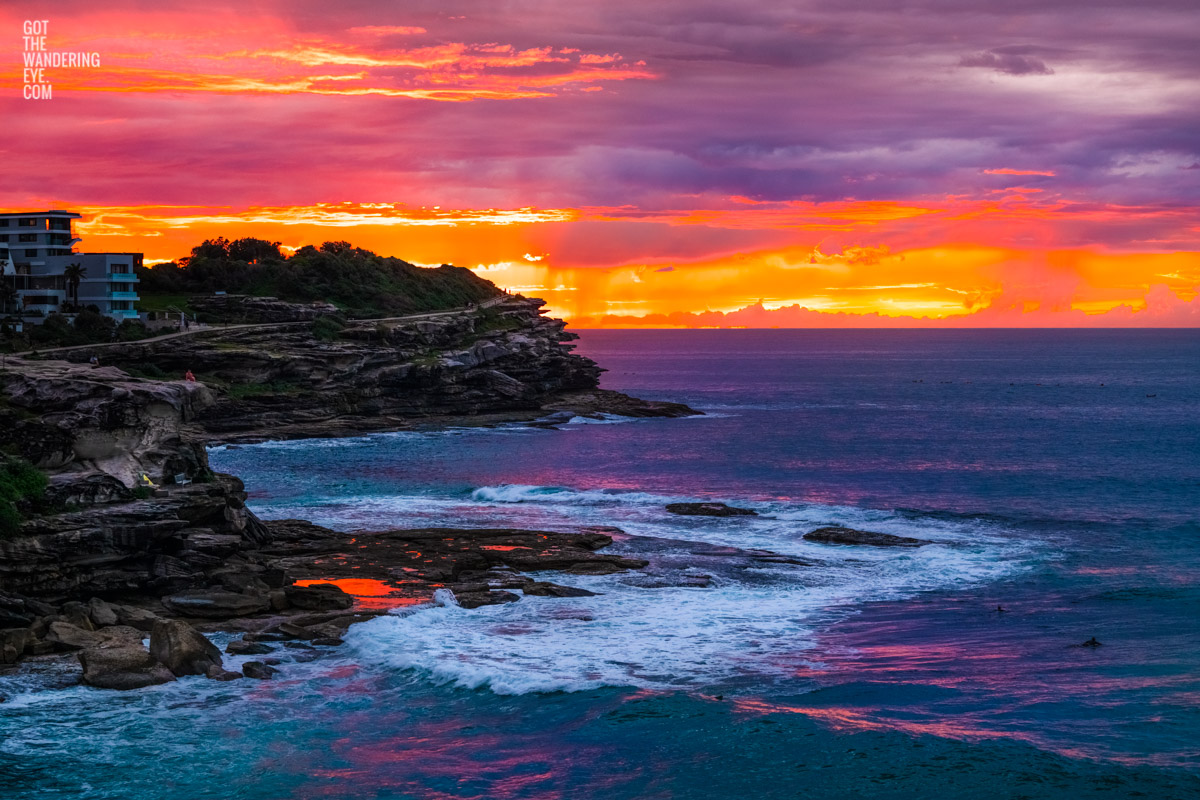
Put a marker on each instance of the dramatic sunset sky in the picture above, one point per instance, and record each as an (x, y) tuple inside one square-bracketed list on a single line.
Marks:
[(679, 162)]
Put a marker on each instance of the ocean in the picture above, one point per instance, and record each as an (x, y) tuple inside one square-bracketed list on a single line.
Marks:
[(1056, 473)]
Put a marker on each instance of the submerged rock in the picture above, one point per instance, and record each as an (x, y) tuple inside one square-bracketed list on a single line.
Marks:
[(484, 598), (258, 670), (241, 647), (709, 510), (182, 649), (218, 673), (546, 589), (833, 535)]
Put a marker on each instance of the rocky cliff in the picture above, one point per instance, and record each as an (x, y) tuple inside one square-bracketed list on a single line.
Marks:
[(331, 377), (136, 508)]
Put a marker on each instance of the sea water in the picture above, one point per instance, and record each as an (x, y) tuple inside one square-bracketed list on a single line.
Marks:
[(1055, 473)]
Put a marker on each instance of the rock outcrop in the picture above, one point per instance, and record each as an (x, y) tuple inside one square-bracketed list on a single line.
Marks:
[(709, 510), (181, 649), (129, 667), (247, 308), (500, 361), (835, 535)]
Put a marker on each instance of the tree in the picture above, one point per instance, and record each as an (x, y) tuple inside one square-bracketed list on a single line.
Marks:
[(254, 251), (8, 296), (74, 273)]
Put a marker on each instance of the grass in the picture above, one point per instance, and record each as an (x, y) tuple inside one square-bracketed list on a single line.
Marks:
[(163, 302), (243, 391)]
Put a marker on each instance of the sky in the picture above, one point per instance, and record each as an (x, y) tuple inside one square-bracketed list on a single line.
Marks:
[(674, 163)]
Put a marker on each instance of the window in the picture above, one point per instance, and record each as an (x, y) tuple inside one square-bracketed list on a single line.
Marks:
[(40, 300), (27, 237), (3, 237), (3, 223), (27, 223)]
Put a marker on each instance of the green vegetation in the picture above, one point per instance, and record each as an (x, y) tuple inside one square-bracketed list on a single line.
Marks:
[(358, 281), (90, 327), (22, 488), (328, 327), (171, 303)]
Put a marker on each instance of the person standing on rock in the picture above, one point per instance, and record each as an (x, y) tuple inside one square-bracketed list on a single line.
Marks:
[(189, 377)]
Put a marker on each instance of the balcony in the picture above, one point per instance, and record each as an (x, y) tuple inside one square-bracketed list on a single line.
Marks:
[(123, 313), (123, 296), (121, 277)]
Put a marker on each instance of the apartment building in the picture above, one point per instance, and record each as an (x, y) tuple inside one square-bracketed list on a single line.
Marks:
[(38, 259)]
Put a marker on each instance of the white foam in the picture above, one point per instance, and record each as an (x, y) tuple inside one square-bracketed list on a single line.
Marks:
[(758, 622), (558, 495)]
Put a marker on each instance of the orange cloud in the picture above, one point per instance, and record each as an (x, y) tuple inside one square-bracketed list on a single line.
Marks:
[(257, 55), (1006, 171)]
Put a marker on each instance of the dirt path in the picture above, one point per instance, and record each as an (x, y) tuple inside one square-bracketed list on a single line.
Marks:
[(260, 325)]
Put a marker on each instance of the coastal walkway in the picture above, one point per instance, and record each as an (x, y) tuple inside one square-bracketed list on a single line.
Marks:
[(215, 329)]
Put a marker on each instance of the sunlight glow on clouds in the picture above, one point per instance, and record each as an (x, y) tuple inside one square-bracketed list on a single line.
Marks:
[(663, 164)]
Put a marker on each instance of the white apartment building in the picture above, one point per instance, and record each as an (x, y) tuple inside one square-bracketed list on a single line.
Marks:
[(36, 251)]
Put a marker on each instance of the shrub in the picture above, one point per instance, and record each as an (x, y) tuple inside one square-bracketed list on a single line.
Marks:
[(21, 488), (328, 327)]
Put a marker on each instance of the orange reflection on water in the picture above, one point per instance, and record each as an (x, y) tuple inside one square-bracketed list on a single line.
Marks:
[(368, 593)]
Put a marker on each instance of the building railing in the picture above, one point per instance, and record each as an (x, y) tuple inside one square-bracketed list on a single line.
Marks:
[(124, 295)]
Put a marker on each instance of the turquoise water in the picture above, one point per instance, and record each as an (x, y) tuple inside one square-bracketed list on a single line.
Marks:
[(1057, 474)]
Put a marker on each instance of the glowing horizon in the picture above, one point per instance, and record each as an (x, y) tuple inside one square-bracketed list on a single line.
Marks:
[(638, 167)]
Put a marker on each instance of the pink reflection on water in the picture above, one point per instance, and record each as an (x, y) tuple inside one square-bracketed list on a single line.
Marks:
[(867, 718), (488, 758)]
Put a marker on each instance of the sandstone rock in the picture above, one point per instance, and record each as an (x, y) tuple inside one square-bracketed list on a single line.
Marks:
[(709, 510), (182, 649), (101, 613), (14, 612), (241, 647), (215, 604), (126, 667), (318, 597), (13, 642), (70, 637), (135, 617), (77, 614), (835, 535), (604, 567), (296, 631), (258, 670)]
